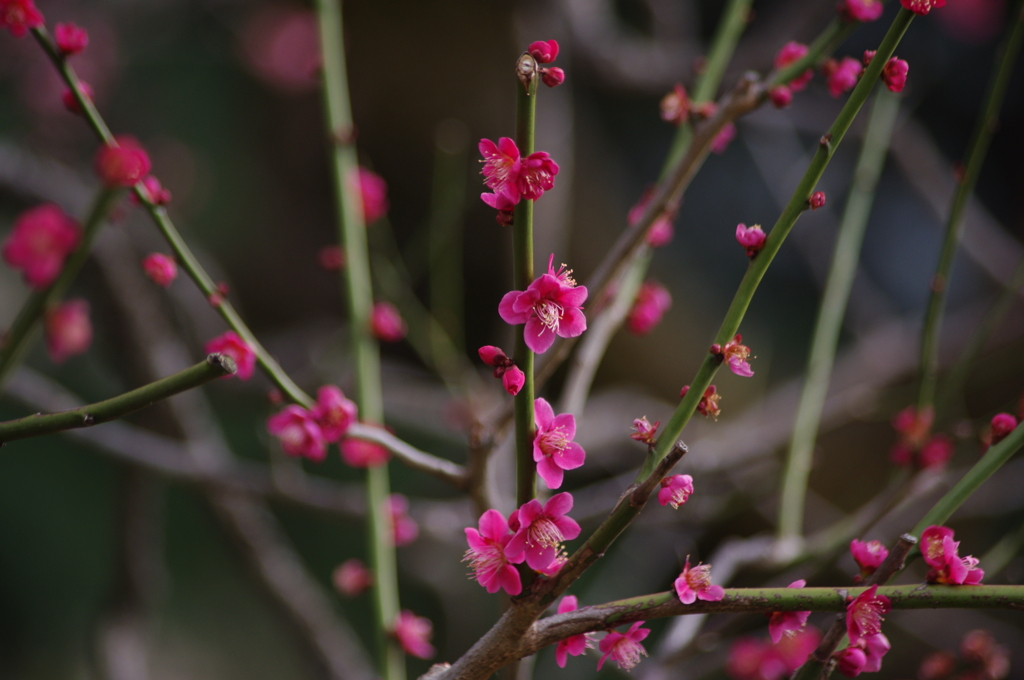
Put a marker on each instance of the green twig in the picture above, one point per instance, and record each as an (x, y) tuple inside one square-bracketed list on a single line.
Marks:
[(831, 312), (182, 252), (215, 366), (16, 342), (985, 128), (446, 208), (522, 261), (365, 352)]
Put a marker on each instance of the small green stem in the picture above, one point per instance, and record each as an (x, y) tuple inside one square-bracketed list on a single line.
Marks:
[(446, 208), (357, 289), (528, 79), (831, 312), (215, 366), (16, 342), (985, 128), (796, 205)]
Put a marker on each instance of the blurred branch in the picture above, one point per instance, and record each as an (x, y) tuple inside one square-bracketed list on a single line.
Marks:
[(215, 366)]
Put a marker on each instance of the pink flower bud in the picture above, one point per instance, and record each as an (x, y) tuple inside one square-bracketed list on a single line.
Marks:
[(868, 556), (935, 453), (68, 330), (405, 528), (232, 345), (850, 661), (374, 192), (334, 413), (156, 194), (644, 431), (331, 258), (40, 241), (652, 301), (386, 323), (894, 75), (751, 238), (513, 380), (359, 453), (1002, 424), (161, 269), (843, 76), (544, 51), (675, 106), (123, 164), (18, 16), (70, 39), (860, 10), (493, 356), (298, 433), (816, 200), (352, 578), (552, 77), (71, 102), (413, 634), (781, 96), (721, 141), (922, 7)]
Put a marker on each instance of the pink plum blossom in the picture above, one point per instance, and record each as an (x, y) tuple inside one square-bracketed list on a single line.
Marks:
[(675, 106), (842, 76), (644, 431), (781, 96), (553, 447), (160, 269), (624, 648), (940, 551), (695, 584), (864, 614), (540, 530), (935, 453), (675, 490), (405, 529), (40, 241), (651, 303), (360, 453), (333, 412), (18, 16), (503, 205), (486, 555), (551, 305), (374, 193), (298, 432), (735, 355), (573, 645), (661, 231), (721, 141), (868, 556), (351, 578), (922, 7), (386, 323), (788, 54), (70, 38), (536, 175), (230, 344), (751, 238), (864, 656), (67, 329), (123, 163), (785, 624), (708, 404), (501, 168), (860, 10), (413, 634), (544, 51), (751, 659), (894, 75)]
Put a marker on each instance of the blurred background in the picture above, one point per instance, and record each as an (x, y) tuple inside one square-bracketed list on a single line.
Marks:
[(114, 570)]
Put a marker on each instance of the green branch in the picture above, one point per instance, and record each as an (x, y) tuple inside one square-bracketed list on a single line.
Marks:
[(16, 342), (831, 312), (215, 366), (985, 128), (522, 263), (357, 289)]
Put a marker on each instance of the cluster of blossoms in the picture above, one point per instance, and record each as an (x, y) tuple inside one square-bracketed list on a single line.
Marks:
[(915, 441), (551, 305), (980, 658), (545, 52), (753, 659), (790, 53), (512, 377), (864, 615), (841, 76), (940, 553), (305, 432)]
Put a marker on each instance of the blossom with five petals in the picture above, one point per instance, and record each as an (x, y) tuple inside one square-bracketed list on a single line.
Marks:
[(553, 447), (486, 555), (695, 584), (864, 614), (540, 530), (787, 623), (550, 306), (940, 552)]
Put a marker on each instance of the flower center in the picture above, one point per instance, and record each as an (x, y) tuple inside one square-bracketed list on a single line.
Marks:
[(485, 560), (553, 441), (544, 533), (550, 314), (292, 436), (699, 578), (627, 652)]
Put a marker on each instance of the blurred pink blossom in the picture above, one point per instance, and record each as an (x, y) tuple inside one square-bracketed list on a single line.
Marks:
[(40, 241), (68, 330)]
